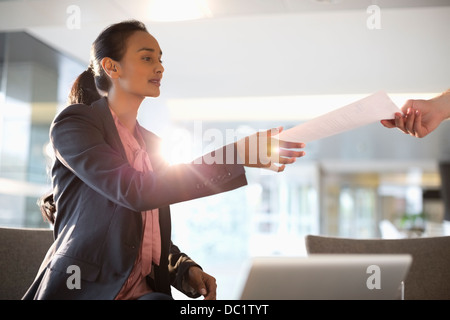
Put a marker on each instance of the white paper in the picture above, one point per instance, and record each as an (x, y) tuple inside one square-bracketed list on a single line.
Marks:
[(370, 109)]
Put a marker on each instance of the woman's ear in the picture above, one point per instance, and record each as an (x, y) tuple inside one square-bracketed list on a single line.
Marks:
[(110, 67)]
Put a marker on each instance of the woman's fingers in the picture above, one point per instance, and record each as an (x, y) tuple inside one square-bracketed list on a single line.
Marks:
[(264, 150), (409, 123), (290, 145), (418, 130), (399, 122), (291, 153), (388, 123)]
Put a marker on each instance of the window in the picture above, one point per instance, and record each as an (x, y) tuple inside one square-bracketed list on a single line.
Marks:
[(34, 83)]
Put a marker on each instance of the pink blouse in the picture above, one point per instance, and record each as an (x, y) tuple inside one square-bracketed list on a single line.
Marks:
[(150, 251)]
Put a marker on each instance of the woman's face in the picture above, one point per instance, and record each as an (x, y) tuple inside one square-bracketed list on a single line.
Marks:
[(141, 67)]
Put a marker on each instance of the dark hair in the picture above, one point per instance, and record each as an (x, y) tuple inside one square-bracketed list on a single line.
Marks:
[(48, 208), (85, 90), (110, 43)]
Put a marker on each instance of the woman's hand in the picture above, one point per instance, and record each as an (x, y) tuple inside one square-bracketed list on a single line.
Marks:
[(202, 282), (262, 150)]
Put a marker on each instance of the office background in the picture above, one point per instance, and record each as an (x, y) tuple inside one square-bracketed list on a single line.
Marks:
[(240, 66)]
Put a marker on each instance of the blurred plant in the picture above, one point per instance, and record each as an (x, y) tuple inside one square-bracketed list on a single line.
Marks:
[(413, 223)]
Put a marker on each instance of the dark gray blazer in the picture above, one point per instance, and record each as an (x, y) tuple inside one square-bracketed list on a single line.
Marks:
[(99, 198)]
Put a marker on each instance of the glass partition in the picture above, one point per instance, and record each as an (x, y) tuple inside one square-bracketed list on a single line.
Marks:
[(34, 84)]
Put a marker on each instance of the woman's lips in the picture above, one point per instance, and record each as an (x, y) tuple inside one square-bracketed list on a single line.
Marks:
[(156, 82)]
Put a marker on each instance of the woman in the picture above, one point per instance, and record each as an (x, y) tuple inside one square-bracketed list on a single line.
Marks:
[(112, 189)]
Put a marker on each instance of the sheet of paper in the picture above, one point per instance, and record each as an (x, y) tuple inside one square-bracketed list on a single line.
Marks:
[(375, 107)]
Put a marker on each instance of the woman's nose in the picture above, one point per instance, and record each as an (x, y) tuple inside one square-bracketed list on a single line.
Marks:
[(160, 68)]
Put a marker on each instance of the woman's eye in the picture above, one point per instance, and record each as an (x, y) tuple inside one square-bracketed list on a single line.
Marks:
[(148, 59)]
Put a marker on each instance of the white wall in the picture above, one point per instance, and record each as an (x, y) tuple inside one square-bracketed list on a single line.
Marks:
[(311, 53)]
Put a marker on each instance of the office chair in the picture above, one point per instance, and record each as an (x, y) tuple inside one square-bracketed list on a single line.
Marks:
[(21, 251), (429, 275)]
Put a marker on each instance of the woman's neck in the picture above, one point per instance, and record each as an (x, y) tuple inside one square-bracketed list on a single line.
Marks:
[(126, 107)]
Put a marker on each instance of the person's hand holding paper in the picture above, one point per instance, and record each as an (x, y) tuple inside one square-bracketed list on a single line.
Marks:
[(262, 150), (370, 109)]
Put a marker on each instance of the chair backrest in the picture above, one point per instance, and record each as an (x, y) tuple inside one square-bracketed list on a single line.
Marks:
[(21, 252), (429, 275)]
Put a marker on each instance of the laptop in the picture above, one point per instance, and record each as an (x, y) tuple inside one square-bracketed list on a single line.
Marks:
[(325, 277)]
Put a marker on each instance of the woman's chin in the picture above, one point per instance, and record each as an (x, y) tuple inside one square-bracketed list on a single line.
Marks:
[(153, 95)]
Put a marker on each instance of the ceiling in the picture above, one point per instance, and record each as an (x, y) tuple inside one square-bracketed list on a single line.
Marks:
[(49, 19)]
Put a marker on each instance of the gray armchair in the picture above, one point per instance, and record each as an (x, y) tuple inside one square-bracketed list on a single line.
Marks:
[(429, 275), (21, 252)]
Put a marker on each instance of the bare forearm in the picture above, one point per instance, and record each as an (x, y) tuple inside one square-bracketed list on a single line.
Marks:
[(442, 102)]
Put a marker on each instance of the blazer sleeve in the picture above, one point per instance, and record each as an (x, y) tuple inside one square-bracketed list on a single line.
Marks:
[(83, 144), (179, 264)]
